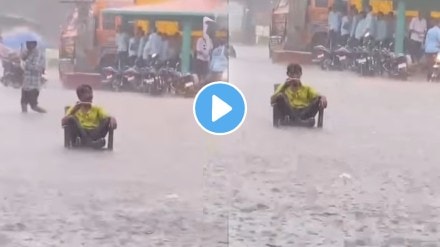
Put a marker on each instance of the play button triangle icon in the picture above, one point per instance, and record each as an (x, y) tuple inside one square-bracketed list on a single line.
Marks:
[(219, 108)]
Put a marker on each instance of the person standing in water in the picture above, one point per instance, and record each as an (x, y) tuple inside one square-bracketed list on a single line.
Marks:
[(33, 66), (204, 47)]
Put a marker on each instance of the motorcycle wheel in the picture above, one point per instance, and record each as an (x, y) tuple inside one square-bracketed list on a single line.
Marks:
[(403, 76), (154, 88), (190, 93), (433, 77), (116, 86), (325, 65), (361, 70)]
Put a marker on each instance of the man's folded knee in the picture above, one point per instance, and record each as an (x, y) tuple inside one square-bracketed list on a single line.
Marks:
[(72, 120), (280, 99), (106, 122)]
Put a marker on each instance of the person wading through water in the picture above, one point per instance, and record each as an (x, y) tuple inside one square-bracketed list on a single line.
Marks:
[(33, 66)]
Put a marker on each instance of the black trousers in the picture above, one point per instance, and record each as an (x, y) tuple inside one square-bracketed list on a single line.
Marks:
[(132, 60), (30, 97), (212, 77), (344, 39), (121, 59), (76, 130), (283, 108), (201, 68), (333, 39), (415, 50)]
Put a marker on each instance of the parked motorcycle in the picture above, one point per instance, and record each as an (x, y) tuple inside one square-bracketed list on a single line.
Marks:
[(337, 59), (170, 74), (156, 85), (186, 85), (395, 66), (113, 78), (133, 78), (13, 74)]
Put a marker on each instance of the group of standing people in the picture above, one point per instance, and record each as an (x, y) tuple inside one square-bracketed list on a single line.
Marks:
[(138, 46), (210, 54), (349, 27)]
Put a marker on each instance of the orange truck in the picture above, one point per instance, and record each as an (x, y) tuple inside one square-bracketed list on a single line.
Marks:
[(296, 27), (87, 40)]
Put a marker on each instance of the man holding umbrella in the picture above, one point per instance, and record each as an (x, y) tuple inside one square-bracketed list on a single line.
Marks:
[(33, 67), (204, 48)]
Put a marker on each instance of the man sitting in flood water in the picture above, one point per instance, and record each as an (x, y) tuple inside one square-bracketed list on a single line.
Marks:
[(88, 124), (295, 102)]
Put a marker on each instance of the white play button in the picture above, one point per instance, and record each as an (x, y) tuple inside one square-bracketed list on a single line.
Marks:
[(219, 108)]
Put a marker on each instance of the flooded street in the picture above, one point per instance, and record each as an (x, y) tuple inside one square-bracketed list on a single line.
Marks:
[(370, 177)]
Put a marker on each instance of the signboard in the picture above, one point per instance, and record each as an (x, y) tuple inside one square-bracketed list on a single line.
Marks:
[(423, 5)]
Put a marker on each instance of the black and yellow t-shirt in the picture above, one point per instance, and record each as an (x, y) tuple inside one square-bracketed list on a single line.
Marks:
[(91, 118), (299, 98)]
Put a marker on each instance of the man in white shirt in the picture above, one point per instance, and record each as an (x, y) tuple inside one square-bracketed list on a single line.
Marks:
[(370, 22), (133, 46), (153, 46), (381, 29), (334, 25), (142, 42), (204, 47), (354, 22), (361, 28), (122, 40), (417, 29), (346, 27), (174, 48), (164, 52)]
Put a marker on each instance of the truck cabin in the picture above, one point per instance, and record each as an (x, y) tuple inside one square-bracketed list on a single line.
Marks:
[(308, 17), (316, 12)]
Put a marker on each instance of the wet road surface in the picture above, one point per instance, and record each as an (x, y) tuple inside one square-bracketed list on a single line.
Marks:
[(369, 178)]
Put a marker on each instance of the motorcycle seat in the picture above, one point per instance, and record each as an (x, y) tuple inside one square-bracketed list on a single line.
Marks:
[(321, 48), (342, 50), (131, 70)]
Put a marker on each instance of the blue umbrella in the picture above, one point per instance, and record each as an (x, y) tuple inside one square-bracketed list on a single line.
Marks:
[(16, 39)]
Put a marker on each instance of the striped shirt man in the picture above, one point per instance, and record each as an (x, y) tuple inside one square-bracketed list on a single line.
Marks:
[(33, 67)]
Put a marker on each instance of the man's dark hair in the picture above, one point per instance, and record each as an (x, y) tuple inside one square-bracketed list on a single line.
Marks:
[(294, 68), (82, 88)]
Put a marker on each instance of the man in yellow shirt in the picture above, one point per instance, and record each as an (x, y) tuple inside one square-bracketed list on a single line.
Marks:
[(88, 124), (296, 103)]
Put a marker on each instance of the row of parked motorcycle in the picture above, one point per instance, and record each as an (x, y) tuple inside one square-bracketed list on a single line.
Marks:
[(369, 58), (154, 77)]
